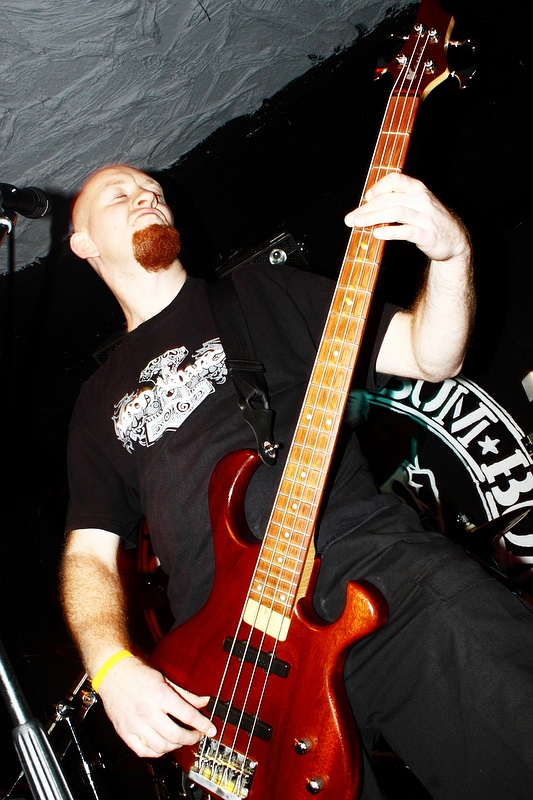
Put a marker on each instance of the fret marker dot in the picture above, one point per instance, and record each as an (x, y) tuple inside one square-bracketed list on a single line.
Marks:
[(348, 301), (295, 506), (286, 534), (308, 416), (303, 475), (280, 560), (328, 422), (282, 597), (259, 587), (336, 353)]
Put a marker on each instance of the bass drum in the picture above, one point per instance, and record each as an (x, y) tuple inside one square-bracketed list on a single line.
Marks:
[(454, 454)]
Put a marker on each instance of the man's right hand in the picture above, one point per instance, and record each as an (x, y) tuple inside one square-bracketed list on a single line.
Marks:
[(146, 709)]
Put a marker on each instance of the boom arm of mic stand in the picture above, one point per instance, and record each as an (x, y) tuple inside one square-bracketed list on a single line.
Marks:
[(40, 765)]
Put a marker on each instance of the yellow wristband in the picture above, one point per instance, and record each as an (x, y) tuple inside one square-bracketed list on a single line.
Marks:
[(107, 665)]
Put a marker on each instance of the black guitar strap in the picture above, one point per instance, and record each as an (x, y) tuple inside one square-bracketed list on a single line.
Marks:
[(246, 371)]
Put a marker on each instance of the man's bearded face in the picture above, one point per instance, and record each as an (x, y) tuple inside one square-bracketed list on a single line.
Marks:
[(156, 247)]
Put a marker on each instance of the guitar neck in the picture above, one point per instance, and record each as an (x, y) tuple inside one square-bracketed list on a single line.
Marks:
[(284, 564)]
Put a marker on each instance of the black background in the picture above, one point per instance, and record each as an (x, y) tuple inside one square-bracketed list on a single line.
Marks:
[(296, 165)]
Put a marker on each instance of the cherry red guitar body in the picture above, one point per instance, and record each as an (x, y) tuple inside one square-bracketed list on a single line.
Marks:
[(304, 740)]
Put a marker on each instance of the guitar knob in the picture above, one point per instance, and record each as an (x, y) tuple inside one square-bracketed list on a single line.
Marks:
[(303, 745), (315, 785), (277, 256)]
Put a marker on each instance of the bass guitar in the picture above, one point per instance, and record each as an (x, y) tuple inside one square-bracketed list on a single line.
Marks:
[(272, 668)]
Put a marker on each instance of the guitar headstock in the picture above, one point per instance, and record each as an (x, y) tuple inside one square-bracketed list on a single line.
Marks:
[(421, 63)]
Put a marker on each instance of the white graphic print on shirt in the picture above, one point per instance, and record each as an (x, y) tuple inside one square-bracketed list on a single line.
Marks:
[(168, 394)]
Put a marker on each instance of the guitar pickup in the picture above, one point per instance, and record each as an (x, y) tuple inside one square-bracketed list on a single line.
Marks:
[(242, 720), (267, 661)]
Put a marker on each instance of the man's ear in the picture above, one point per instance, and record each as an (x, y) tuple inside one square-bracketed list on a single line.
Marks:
[(82, 245)]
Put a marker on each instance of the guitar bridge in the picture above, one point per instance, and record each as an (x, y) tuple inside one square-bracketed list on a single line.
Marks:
[(222, 770)]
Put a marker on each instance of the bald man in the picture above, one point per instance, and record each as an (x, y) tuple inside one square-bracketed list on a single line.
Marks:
[(150, 426)]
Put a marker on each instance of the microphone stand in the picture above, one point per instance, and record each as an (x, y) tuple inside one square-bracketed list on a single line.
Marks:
[(39, 763), (38, 760), (7, 221)]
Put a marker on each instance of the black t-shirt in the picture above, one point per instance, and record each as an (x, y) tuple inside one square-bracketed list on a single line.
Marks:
[(151, 424)]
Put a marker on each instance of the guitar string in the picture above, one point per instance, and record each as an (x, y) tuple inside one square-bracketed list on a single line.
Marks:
[(248, 644), (243, 659), (403, 146), (390, 160), (288, 548), (333, 343), (404, 141), (284, 568), (226, 717)]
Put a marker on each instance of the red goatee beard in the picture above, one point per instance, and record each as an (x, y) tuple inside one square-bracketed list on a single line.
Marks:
[(156, 247)]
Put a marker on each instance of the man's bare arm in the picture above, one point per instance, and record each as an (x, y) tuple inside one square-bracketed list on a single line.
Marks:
[(138, 699)]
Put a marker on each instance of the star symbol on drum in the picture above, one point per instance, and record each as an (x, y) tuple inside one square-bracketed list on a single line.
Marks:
[(489, 445)]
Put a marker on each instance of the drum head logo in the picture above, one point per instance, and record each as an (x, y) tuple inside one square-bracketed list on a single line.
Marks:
[(453, 452)]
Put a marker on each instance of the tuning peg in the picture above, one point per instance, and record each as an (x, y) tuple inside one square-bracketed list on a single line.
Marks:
[(463, 76), (382, 67), (461, 43), (463, 46), (461, 56)]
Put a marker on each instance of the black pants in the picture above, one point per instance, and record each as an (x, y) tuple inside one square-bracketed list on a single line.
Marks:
[(448, 681)]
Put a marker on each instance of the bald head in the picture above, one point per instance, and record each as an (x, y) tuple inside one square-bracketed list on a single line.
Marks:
[(78, 213), (111, 176), (124, 229), (113, 214)]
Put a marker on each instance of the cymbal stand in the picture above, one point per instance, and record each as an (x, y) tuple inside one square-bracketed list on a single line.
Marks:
[(38, 760), (64, 712)]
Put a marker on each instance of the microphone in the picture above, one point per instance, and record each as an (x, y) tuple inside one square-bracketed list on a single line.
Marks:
[(30, 202)]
